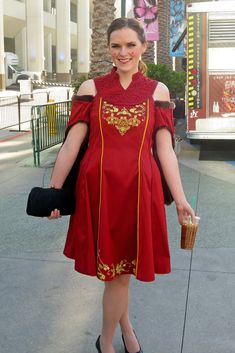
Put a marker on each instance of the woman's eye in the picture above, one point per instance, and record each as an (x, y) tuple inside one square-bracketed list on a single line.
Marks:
[(114, 46), (131, 45)]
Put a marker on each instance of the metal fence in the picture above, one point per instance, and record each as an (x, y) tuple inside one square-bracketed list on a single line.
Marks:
[(15, 111), (48, 124)]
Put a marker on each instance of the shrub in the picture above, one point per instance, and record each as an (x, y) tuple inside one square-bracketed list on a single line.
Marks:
[(174, 80), (77, 83)]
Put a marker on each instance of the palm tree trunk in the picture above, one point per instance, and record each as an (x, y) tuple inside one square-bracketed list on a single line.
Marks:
[(163, 45), (149, 55), (103, 15)]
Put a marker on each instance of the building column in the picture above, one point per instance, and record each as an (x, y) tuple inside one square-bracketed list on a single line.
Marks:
[(35, 35), (47, 6), (83, 37), (48, 53), (63, 46), (21, 48), (2, 68)]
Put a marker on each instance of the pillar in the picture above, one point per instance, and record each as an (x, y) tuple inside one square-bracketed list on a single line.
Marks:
[(83, 37), (118, 6), (35, 35), (47, 5), (63, 46), (21, 48), (2, 69), (48, 53)]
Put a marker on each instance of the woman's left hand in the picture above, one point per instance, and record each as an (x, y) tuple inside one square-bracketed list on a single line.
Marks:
[(184, 210)]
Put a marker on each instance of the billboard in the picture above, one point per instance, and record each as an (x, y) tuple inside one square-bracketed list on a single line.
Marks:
[(222, 95), (196, 70), (177, 26), (147, 13)]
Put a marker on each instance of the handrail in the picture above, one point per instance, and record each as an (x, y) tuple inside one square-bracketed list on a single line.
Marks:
[(48, 124)]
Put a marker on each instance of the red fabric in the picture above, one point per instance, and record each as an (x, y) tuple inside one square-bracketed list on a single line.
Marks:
[(80, 111), (119, 225), (164, 119)]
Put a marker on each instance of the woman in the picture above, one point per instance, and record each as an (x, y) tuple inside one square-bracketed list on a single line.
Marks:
[(119, 225)]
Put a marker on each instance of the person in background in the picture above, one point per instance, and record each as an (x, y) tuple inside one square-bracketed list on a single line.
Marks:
[(119, 225)]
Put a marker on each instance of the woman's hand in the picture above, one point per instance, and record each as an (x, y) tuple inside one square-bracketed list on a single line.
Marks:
[(184, 210), (54, 214)]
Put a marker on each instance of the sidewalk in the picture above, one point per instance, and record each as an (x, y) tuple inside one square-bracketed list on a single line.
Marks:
[(47, 307)]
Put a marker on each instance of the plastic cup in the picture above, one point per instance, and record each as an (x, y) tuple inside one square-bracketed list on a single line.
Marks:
[(188, 233)]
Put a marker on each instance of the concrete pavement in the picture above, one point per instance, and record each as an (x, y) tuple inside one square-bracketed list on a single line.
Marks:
[(46, 307)]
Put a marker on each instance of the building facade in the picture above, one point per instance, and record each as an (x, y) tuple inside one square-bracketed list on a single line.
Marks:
[(49, 37)]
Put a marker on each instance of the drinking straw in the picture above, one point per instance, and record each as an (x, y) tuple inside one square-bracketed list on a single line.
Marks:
[(193, 203)]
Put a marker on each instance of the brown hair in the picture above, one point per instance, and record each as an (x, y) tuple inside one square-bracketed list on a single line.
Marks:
[(135, 25)]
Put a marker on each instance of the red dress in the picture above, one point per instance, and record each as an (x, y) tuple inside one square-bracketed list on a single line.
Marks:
[(119, 225)]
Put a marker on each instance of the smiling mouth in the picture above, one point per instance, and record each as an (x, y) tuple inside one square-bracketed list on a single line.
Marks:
[(124, 61)]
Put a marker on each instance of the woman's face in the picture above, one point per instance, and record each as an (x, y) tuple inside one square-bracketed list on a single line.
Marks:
[(126, 50)]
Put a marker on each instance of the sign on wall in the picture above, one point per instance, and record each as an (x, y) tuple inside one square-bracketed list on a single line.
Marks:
[(222, 95), (196, 56), (147, 13), (177, 26)]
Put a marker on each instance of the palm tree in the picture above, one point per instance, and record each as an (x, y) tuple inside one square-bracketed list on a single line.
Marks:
[(103, 15), (163, 48), (149, 55)]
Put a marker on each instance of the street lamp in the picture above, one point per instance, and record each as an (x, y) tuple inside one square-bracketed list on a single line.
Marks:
[(123, 8)]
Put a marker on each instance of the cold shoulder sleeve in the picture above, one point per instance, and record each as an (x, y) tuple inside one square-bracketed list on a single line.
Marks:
[(164, 116), (163, 120), (80, 111)]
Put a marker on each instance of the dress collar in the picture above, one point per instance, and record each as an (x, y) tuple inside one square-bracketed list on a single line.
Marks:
[(135, 76)]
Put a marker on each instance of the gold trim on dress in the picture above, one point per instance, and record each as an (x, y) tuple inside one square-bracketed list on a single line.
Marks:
[(138, 200), (124, 119), (107, 272), (101, 174)]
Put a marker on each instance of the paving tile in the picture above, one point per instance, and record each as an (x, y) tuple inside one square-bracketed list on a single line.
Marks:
[(210, 318), (214, 259), (216, 204), (159, 312)]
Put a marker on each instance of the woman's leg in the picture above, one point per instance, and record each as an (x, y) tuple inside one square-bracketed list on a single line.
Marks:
[(115, 302), (130, 339)]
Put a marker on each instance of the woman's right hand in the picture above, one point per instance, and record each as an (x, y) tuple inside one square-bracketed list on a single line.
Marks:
[(54, 214)]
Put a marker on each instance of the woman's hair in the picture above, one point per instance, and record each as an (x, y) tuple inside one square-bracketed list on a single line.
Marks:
[(135, 25)]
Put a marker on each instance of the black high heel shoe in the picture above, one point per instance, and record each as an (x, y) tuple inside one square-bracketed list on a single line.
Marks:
[(97, 344), (126, 351)]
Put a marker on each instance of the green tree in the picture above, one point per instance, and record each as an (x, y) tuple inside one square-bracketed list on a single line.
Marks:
[(174, 80)]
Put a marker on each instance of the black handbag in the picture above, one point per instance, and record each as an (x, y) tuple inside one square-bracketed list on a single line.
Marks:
[(41, 201), (168, 198)]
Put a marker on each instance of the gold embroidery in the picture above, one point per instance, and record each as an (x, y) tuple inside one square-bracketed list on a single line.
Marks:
[(123, 119), (107, 272)]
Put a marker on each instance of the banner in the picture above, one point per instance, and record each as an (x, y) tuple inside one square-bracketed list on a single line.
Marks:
[(222, 95), (196, 69), (177, 26), (147, 12)]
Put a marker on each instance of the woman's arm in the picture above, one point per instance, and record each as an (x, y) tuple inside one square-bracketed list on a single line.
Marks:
[(69, 151), (169, 162), (72, 144), (67, 154)]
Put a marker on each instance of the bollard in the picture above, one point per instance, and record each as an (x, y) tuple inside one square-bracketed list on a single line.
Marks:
[(51, 116), (19, 111)]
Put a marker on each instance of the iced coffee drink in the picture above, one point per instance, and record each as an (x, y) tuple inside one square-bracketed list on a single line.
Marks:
[(188, 233)]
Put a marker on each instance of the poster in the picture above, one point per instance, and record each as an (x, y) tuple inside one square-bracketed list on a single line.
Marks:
[(177, 26), (196, 69), (222, 95), (147, 13)]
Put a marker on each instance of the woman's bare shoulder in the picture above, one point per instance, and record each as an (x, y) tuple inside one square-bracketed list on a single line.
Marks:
[(161, 92), (87, 88)]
